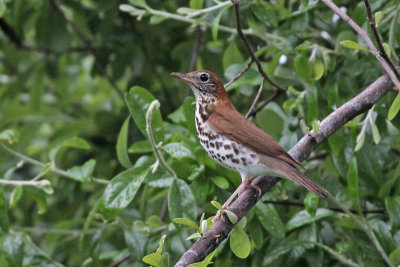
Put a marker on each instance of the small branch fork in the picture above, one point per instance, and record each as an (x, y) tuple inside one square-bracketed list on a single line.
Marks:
[(334, 121), (393, 75), (378, 40), (249, 49)]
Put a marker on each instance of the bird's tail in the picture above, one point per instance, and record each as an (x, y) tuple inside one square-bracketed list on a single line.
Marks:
[(294, 174)]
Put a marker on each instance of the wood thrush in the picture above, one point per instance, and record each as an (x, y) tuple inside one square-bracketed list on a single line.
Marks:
[(235, 142)]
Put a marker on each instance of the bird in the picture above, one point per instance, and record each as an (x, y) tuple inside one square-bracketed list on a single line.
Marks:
[(235, 142)]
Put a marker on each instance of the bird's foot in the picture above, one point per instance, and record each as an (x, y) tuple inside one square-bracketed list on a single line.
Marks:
[(248, 183), (240, 190)]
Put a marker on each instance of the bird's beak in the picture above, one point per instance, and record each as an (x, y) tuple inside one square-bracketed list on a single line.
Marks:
[(181, 76)]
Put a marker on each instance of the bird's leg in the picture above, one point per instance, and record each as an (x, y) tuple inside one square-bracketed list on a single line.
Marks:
[(246, 183), (249, 184)]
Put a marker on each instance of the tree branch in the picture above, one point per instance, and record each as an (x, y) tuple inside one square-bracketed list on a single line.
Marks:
[(240, 73), (256, 98), (378, 40), (334, 121), (249, 49), (367, 40)]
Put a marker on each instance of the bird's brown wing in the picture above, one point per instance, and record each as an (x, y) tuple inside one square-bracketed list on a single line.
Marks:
[(228, 121)]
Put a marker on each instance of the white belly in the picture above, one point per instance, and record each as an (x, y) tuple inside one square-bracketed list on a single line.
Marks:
[(231, 154)]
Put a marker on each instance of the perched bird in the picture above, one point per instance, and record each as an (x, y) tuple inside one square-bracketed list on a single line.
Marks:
[(235, 142)]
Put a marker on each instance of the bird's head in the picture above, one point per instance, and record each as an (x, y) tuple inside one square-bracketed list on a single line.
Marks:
[(206, 85)]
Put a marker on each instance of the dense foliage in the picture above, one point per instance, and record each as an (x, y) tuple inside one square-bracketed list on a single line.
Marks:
[(80, 182)]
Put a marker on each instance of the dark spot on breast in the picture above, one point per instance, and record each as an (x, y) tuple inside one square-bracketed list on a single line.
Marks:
[(217, 145), (227, 146), (212, 144), (253, 156), (223, 157), (244, 160), (218, 155), (229, 156), (235, 161)]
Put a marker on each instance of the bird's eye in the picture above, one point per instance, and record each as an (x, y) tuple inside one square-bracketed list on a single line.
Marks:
[(204, 77)]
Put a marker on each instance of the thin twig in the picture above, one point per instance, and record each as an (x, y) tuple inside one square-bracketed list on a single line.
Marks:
[(41, 164), (266, 102), (256, 98), (249, 49), (378, 40), (240, 73), (301, 204), (99, 64), (149, 129), (367, 40)]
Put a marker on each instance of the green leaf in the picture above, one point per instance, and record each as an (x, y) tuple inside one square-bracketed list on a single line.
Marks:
[(3, 8), (375, 133), (143, 146), (194, 236), (84, 172), (181, 202), (303, 217), (122, 145), (155, 259), (139, 3), (240, 243), (318, 70), (216, 204), (311, 203), (15, 196), (315, 126), (196, 4), (231, 216), (378, 16), (393, 209), (387, 49), (178, 151), (133, 11), (9, 135), (39, 196), (205, 262), (272, 119), (186, 222), (312, 105), (215, 23), (4, 221), (394, 108), (122, 189), (303, 67), (394, 256), (138, 101), (232, 55), (74, 142), (136, 238), (256, 234), (221, 182), (352, 45), (352, 183), (270, 220)]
